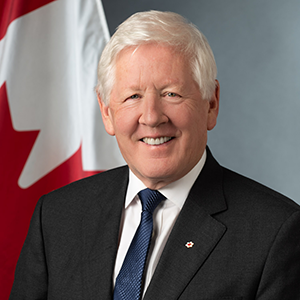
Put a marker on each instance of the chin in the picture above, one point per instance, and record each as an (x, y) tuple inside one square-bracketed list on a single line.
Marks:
[(156, 177)]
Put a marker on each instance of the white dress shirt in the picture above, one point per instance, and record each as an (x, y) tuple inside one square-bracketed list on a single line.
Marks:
[(164, 217)]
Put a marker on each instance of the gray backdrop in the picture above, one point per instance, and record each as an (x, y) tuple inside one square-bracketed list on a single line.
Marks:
[(257, 49)]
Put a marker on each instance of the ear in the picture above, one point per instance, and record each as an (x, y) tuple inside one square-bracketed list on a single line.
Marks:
[(106, 117), (213, 107)]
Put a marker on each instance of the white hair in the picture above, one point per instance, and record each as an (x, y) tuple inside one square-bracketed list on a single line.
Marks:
[(159, 27)]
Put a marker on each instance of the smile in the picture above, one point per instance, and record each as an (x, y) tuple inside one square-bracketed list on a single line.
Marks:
[(157, 141)]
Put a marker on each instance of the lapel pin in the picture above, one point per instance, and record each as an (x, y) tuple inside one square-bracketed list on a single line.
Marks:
[(189, 244)]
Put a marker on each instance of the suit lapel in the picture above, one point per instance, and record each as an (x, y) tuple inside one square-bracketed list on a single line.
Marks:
[(178, 263), (100, 235)]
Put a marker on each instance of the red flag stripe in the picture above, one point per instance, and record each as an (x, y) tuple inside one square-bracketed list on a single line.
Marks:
[(17, 204), (13, 9)]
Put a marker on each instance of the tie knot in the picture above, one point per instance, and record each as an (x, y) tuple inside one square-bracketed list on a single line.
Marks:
[(150, 199)]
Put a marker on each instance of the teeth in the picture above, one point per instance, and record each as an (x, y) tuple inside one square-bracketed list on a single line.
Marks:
[(157, 141)]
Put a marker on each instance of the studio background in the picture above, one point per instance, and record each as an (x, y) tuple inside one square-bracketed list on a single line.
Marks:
[(256, 47)]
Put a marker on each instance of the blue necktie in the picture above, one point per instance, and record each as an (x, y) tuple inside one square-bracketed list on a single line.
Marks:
[(129, 281)]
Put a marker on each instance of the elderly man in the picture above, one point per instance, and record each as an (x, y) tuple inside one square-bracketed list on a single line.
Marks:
[(205, 232)]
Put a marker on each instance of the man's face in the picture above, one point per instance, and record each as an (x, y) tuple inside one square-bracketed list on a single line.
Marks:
[(157, 114)]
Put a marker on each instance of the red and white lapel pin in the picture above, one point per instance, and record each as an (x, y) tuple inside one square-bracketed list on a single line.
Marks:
[(189, 244)]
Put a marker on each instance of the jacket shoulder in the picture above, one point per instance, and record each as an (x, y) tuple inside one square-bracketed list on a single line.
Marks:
[(86, 190), (99, 181), (253, 195)]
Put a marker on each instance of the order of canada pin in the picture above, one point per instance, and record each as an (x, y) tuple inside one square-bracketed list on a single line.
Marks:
[(189, 244)]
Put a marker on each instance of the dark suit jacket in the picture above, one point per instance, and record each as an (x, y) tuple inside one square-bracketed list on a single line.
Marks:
[(246, 242)]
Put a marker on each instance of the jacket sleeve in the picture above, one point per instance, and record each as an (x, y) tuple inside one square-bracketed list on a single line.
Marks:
[(281, 275), (31, 272)]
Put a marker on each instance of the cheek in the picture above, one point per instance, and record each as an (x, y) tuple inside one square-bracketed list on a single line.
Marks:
[(125, 121), (189, 118)]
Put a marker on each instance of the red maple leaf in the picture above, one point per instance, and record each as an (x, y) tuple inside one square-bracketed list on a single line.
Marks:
[(17, 204)]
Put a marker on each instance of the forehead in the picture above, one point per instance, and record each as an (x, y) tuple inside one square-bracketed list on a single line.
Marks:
[(152, 61)]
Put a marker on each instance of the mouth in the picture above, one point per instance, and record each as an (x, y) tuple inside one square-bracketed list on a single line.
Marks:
[(156, 141)]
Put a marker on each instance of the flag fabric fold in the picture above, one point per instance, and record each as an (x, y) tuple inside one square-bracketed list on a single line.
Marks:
[(50, 124)]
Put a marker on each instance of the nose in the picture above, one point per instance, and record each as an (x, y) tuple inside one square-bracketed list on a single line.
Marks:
[(152, 113)]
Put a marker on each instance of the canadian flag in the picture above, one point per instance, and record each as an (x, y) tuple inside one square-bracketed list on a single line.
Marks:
[(50, 125)]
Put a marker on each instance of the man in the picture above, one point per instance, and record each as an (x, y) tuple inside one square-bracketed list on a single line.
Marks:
[(216, 234)]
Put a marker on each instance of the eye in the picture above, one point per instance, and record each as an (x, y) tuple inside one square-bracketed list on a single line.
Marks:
[(133, 97), (170, 94)]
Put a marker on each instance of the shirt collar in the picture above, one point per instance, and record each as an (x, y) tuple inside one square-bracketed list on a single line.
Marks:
[(176, 191)]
